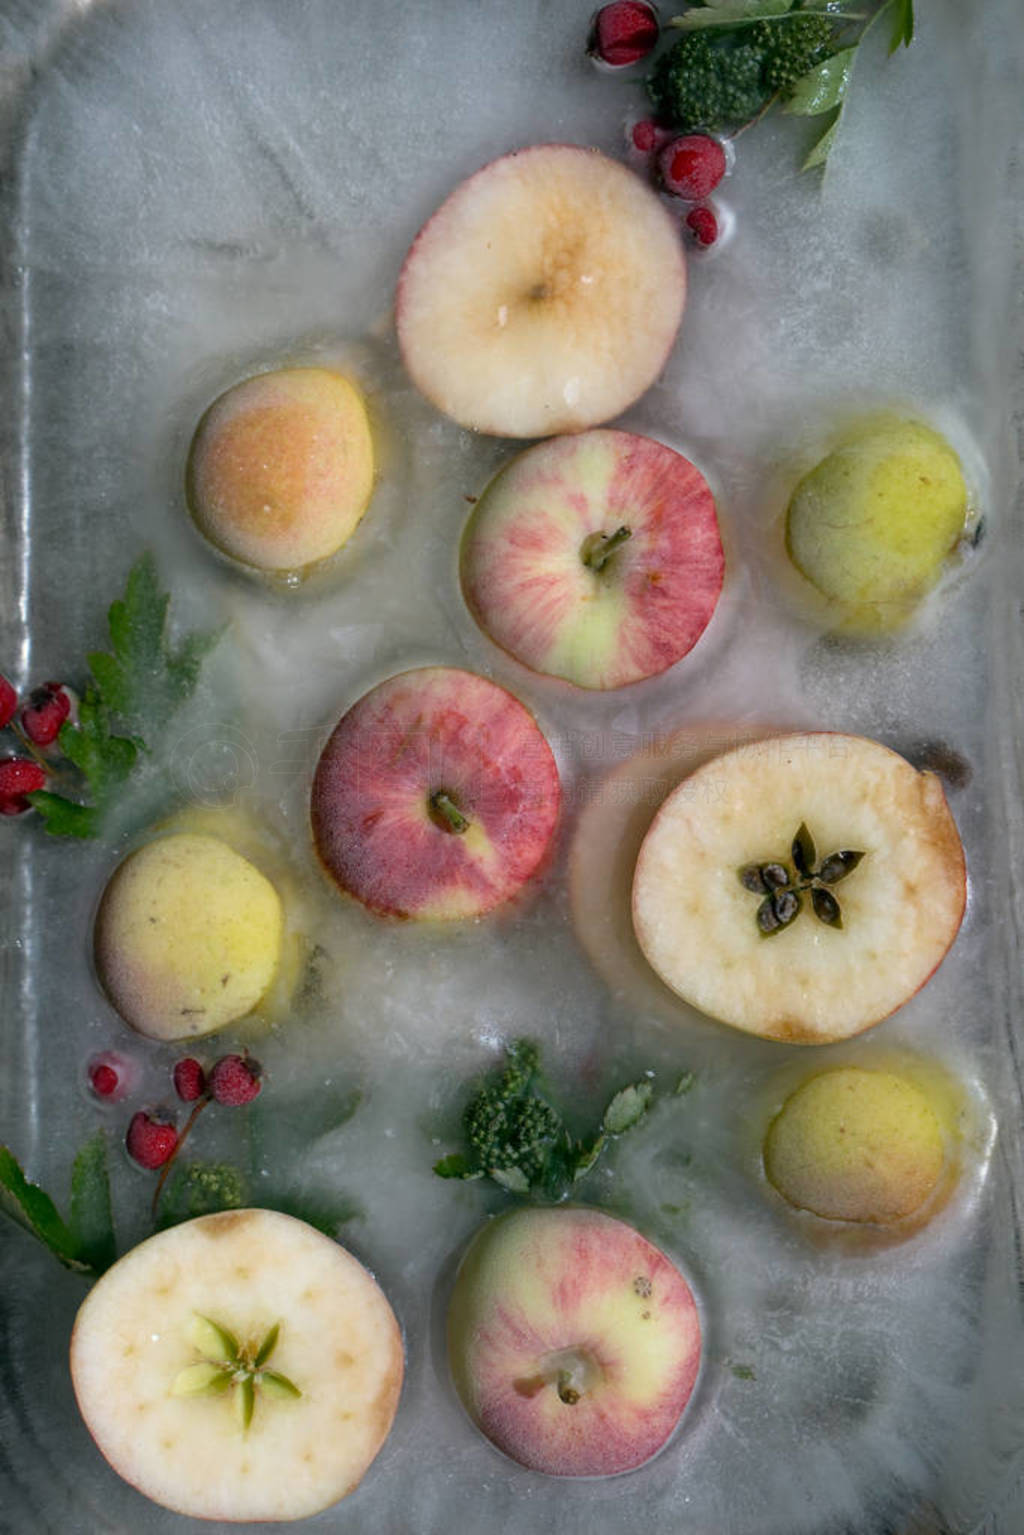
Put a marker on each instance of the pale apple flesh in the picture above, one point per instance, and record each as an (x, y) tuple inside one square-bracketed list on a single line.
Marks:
[(874, 524), (188, 936), (436, 797), (596, 558), (140, 1342), (856, 1144), (574, 1343), (543, 296), (810, 982), (282, 468), (616, 814)]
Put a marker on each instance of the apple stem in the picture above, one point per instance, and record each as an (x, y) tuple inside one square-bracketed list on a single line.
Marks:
[(567, 1391), (598, 548), (182, 1138), (446, 813)]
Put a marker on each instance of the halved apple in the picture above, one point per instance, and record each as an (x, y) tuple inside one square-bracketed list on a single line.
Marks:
[(543, 296), (596, 558), (574, 1342), (801, 888), (241, 1366), (436, 796)]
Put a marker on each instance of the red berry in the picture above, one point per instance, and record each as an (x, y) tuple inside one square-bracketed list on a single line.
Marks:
[(189, 1079), (19, 776), (47, 709), (623, 32), (647, 137), (8, 702), (703, 225), (111, 1076), (692, 166), (234, 1079), (150, 1141)]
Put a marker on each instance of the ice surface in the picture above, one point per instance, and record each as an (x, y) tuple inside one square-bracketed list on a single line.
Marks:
[(203, 190)]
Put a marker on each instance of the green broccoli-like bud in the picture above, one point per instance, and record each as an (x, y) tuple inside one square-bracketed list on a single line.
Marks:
[(792, 47), (709, 84)]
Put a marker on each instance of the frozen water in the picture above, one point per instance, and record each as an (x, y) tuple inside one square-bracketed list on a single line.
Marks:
[(202, 191)]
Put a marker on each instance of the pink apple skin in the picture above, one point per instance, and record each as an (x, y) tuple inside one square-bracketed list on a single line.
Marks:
[(524, 565), (435, 730), (571, 1295)]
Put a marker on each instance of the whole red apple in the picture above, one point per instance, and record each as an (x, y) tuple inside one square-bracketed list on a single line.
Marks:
[(596, 558), (436, 796), (574, 1342)]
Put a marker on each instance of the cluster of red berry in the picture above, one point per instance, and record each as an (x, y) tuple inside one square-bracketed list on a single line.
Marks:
[(35, 724), (152, 1137), (688, 166)]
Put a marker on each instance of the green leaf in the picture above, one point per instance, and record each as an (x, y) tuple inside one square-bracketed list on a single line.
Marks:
[(33, 1209), (902, 24), (684, 1084), (63, 817), (92, 1220), (511, 1178), (743, 1371), (823, 148), (586, 1156), (326, 1215), (456, 1166), (823, 87), (627, 1108), (104, 759), (730, 14), (146, 679)]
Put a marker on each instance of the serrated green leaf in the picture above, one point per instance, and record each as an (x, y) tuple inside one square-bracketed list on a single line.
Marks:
[(902, 24), (276, 1384), (32, 1208), (104, 759), (823, 148), (92, 1220), (627, 1108), (455, 1166), (64, 817), (823, 87), (511, 1178), (146, 679)]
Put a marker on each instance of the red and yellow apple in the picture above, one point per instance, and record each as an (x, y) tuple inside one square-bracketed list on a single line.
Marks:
[(727, 917), (281, 468), (595, 557), (436, 796), (574, 1342), (544, 294)]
